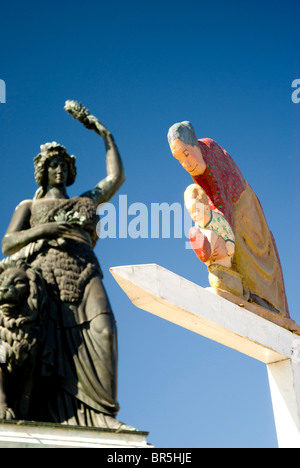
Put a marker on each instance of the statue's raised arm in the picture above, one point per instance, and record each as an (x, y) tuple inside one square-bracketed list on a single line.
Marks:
[(115, 177)]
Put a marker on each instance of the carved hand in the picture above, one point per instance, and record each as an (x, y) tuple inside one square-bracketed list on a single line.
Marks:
[(14, 241), (52, 230), (93, 123), (6, 413), (79, 112)]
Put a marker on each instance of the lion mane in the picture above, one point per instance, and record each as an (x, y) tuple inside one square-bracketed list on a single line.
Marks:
[(21, 324)]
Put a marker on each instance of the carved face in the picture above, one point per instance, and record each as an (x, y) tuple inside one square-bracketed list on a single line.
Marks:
[(189, 156), (196, 202), (58, 171), (185, 147), (14, 289)]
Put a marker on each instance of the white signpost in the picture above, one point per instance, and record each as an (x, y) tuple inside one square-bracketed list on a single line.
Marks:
[(169, 296)]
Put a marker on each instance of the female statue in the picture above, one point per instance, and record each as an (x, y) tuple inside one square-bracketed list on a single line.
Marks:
[(57, 234)]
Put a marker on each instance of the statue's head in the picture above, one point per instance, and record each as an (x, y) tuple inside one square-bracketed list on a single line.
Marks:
[(49, 152), (14, 289), (19, 284), (196, 202), (185, 147)]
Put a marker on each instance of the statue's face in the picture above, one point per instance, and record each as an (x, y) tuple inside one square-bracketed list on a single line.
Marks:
[(196, 202), (189, 156), (185, 147), (58, 171), (14, 288)]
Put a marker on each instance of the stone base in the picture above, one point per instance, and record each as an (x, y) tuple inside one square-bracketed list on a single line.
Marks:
[(24, 434)]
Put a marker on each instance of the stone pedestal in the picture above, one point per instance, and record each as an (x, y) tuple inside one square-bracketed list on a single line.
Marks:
[(23, 434)]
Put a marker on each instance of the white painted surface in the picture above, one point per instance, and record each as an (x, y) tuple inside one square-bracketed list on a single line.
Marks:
[(169, 296), (284, 382), (24, 435)]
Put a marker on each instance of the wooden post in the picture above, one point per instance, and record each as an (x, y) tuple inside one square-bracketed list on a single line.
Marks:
[(169, 296)]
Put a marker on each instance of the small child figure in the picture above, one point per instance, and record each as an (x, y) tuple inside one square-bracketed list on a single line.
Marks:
[(212, 238)]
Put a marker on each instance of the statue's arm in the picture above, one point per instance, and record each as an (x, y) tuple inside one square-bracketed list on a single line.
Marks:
[(115, 177), (19, 232)]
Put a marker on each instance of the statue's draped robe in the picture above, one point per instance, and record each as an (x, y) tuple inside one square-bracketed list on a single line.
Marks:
[(81, 368), (256, 257)]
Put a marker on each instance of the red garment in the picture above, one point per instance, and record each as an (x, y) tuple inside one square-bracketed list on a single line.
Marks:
[(222, 180), (256, 257)]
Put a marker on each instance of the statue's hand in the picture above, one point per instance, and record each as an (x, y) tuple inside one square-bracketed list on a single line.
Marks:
[(92, 123), (53, 230), (210, 250), (6, 413), (79, 112)]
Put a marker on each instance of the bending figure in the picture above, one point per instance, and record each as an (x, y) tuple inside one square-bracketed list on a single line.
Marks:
[(231, 235)]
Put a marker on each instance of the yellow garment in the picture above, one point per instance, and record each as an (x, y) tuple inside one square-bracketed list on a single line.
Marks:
[(256, 256)]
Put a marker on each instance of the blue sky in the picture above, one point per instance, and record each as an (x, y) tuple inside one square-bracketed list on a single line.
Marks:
[(140, 67)]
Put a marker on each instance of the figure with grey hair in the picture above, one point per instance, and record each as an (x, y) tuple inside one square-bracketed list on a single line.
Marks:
[(231, 235), (57, 235)]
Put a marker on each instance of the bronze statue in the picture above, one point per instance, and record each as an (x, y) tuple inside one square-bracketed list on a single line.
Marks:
[(56, 235), (22, 333)]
